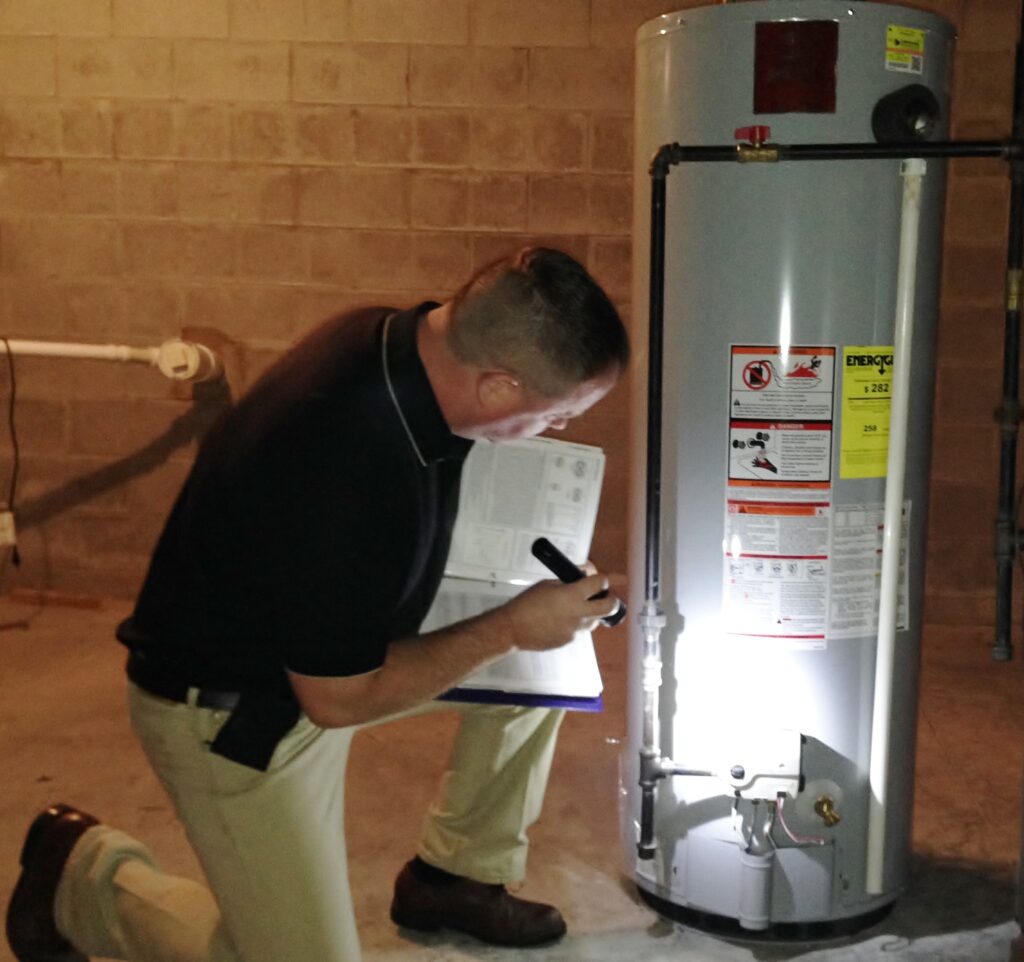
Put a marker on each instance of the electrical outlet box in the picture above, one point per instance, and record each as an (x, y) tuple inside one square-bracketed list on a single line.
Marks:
[(8, 538)]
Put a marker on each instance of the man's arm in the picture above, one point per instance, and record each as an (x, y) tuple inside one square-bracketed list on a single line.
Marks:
[(417, 669)]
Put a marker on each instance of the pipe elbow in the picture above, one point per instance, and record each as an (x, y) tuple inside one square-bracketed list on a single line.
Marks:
[(664, 157)]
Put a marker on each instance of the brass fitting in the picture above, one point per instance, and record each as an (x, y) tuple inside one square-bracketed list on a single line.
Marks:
[(756, 154), (1013, 285), (826, 808)]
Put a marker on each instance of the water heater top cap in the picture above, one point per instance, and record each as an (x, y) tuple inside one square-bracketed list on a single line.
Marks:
[(715, 14)]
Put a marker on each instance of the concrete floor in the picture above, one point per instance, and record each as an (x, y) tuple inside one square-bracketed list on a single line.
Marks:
[(64, 737)]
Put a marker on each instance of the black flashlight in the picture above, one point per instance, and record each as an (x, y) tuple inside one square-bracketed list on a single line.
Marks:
[(560, 566)]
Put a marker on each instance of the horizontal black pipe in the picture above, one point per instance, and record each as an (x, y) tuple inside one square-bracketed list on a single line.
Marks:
[(1004, 149), (672, 154)]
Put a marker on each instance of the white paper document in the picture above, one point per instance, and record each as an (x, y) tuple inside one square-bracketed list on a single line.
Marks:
[(512, 493)]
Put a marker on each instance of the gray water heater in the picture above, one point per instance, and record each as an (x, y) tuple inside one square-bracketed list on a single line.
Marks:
[(780, 300)]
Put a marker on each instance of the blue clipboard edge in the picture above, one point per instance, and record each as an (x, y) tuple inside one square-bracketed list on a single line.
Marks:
[(492, 696)]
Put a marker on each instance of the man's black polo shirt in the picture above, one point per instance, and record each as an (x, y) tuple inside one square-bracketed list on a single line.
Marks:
[(309, 533)]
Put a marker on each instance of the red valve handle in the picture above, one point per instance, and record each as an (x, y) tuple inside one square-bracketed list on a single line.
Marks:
[(753, 135)]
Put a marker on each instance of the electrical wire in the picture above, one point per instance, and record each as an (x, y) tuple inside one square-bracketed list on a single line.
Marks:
[(769, 826), (798, 839), (766, 829)]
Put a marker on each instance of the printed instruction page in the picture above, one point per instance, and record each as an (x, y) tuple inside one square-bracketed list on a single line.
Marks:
[(512, 493)]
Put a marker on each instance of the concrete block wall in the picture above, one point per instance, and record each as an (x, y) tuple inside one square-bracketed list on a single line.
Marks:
[(239, 169), (960, 576)]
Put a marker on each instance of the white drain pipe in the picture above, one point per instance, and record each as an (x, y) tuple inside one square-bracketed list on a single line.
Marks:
[(177, 359), (878, 774)]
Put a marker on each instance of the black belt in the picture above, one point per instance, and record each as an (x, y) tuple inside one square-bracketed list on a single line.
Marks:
[(258, 720), (155, 680)]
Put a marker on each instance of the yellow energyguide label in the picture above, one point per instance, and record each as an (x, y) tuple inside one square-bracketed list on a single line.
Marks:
[(904, 49), (867, 403)]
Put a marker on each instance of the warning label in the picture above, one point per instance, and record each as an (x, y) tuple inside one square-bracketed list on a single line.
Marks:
[(780, 417), (771, 385), (904, 49), (776, 571), (778, 515), (768, 451)]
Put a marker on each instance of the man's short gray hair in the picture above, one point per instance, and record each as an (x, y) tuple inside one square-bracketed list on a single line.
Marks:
[(538, 314)]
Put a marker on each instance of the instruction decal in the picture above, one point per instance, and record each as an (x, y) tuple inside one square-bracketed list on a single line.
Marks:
[(779, 489), (856, 571), (776, 571), (867, 404), (904, 49)]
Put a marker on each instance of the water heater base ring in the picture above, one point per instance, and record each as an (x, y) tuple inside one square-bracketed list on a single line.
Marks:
[(729, 928)]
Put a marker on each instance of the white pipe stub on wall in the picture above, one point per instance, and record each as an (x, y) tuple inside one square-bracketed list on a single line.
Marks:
[(177, 359), (186, 361)]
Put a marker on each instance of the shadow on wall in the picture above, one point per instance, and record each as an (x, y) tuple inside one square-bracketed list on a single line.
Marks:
[(209, 400)]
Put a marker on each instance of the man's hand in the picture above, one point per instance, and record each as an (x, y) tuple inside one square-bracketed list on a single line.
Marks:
[(548, 614)]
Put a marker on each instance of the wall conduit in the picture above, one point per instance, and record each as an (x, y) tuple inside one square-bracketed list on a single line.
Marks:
[(176, 359)]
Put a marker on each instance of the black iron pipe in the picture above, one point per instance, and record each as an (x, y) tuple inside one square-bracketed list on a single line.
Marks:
[(672, 154), (656, 308), (950, 148), (645, 847), (1008, 415)]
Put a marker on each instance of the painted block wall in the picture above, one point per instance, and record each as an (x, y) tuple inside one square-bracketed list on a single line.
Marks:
[(237, 170)]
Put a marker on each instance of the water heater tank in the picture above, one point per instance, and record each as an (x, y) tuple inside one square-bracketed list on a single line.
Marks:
[(779, 304)]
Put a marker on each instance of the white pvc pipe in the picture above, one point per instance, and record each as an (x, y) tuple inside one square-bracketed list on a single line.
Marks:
[(176, 359), (878, 774), (97, 352), (756, 890)]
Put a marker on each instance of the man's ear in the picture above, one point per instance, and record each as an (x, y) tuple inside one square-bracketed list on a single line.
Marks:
[(498, 391)]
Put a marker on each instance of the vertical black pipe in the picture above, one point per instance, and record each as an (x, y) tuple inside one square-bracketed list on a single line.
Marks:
[(1003, 649), (656, 313), (645, 848), (1007, 535), (650, 759)]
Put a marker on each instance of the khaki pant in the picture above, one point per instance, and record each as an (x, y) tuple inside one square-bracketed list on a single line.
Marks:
[(272, 844)]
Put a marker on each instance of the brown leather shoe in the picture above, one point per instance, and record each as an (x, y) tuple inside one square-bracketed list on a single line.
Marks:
[(486, 912), (31, 929)]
